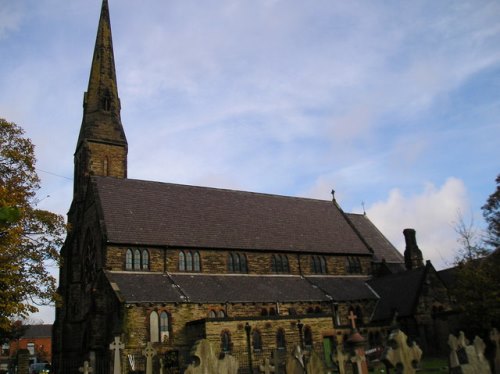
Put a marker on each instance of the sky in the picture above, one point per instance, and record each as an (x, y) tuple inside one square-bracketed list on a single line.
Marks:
[(393, 104)]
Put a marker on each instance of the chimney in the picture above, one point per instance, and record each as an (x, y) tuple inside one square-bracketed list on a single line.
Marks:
[(413, 255)]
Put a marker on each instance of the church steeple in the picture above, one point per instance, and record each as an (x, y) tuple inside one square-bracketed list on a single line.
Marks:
[(102, 145)]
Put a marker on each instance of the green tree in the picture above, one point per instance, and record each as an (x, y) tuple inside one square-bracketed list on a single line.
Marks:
[(477, 276), (29, 237)]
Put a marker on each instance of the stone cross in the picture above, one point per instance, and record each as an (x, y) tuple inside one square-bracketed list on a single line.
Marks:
[(352, 317), (149, 352), (267, 368), (116, 346), (341, 358), (86, 368), (495, 338), (401, 356)]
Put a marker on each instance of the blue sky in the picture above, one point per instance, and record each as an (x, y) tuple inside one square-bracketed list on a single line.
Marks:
[(392, 103)]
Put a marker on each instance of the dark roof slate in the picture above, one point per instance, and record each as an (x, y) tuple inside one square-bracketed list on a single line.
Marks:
[(398, 292), (37, 331), (206, 288), (381, 246), (246, 288), (144, 287), (344, 288), (140, 212)]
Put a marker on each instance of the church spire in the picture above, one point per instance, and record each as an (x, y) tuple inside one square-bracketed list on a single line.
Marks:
[(102, 145), (101, 105)]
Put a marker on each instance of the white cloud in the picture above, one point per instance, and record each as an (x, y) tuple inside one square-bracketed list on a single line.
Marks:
[(10, 18), (431, 213)]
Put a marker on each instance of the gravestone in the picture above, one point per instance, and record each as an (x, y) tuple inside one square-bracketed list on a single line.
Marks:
[(295, 362), (465, 358), (23, 361), (340, 359), (278, 359), (267, 368), (149, 352), (205, 360), (315, 365), (116, 346), (495, 338), (399, 355), (86, 368)]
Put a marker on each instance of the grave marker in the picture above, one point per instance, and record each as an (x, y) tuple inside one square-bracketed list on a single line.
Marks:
[(149, 352), (495, 338), (400, 355), (116, 346), (267, 368), (86, 368)]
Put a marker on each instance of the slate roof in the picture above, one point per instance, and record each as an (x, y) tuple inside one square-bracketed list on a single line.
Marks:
[(344, 288), (382, 247), (397, 292), (144, 287), (206, 288), (137, 212), (38, 331)]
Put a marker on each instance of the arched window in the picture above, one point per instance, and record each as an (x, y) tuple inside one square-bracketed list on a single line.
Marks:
[(272, 311), (225, 341), (230, 263), (264, 312), (286, 267), (196, 261), (308, 338), (137, 259), (182, 261), (129, 262), (314, 264), (353, 265), (145, 259), (154, 327), (221, 314), (323, 267), (211, 314), (256, 340), (274, 264), (243, 263), (280, 339), (164, 327), (189, 261), (318, 310), (359, 314)]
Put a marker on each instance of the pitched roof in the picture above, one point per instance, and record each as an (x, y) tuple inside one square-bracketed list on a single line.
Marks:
[(144, 287), (206, 288), (398, 292), (381, 246), (344, 288), (152, 213), (38, 331)]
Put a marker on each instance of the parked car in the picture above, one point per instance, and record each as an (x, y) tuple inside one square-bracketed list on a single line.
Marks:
[(40, 368)]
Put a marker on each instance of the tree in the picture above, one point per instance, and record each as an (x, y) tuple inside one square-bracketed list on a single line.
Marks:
[(491, 214), (477, 277), (29, 237)]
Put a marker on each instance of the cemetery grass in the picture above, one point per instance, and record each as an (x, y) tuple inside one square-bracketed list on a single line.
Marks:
[(427, 366)]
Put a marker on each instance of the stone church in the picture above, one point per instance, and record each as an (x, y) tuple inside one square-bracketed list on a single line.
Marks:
[(169, 264)]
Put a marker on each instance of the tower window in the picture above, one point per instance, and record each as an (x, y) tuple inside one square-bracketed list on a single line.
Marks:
[(256, 340), (225, 341), (280, 339)]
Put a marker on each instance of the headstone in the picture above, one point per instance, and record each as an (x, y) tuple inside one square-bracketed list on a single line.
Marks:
[(295, 362), (495, 338), (267, 368), (400, 355), (149, 352), (341, 358), (359, 361), (23, 361), (162, 365), (465, 358), (315, 365), (205, 361), (278, 359), (116, 346), (352, 317), (86, 368)]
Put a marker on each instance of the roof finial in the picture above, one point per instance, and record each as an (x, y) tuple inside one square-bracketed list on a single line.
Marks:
[(363, 205), (333, 194)]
